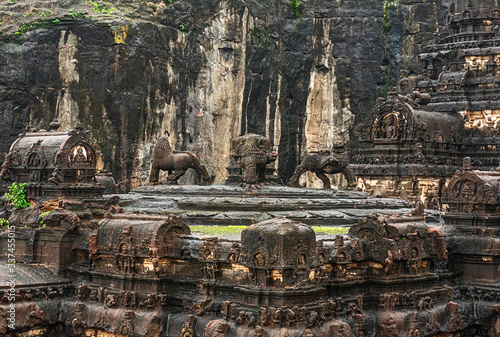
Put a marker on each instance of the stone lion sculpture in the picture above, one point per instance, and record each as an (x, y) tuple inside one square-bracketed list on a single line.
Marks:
[(326, 162), (176, 163)]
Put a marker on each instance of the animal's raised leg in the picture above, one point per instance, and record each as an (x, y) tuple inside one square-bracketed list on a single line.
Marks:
[(154, 176), (172, 178), (261, 174), (350, 177), (294, 181), (324, 179)]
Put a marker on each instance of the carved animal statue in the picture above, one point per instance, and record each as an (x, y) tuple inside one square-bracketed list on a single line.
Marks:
[(253, 152), (4, 173), (326, 162), (174, 162)]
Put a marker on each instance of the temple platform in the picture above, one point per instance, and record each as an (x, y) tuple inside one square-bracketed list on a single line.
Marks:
[(234, 205)]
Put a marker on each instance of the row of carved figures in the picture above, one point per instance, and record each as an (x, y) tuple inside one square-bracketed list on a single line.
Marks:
[(252, 153)]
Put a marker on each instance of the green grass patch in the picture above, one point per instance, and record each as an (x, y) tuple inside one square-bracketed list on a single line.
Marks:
[(218, 230), (330, 230), (36, 24), (236, 230), (261, 35), (4, 223)]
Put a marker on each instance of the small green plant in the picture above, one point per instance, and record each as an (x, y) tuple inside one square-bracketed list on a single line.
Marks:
[(296, 7), (181, 27), (56, 21), (389, 9), (261, 35), (4, 223), (41, 216), (17, 195), (101, 8), (44, 14), (74, 15), (12, 1), (25, 27)]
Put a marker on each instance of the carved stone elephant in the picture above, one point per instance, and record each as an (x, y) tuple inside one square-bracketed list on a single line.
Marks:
[(254, 165), (252, 153), (326, 162)]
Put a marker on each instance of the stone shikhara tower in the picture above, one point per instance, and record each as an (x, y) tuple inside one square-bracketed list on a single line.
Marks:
[(450, 110)]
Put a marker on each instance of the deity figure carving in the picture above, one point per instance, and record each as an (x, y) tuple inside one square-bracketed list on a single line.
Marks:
[(188, 330), (78, 322), (339, 329), (127, 324), (234, 253), (125, 259), (389, 128), (217, 328), (110, 301), (82, 291), (388, 326), (455, 320), (265, 316)]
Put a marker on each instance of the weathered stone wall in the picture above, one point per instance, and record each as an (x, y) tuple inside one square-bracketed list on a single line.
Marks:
[(207, 71)]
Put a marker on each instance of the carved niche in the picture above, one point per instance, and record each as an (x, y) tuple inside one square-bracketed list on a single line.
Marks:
[(471, 191)]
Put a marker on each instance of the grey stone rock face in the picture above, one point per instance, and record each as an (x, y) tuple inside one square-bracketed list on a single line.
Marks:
[(206, 71)]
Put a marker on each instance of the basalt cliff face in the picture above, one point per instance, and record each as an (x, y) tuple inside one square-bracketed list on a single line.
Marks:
[(301, 73)]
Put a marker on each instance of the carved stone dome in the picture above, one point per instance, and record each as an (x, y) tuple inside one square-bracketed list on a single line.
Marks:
[(279, 244)]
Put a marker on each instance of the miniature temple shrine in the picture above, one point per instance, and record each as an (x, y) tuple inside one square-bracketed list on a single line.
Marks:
[(54, 163)]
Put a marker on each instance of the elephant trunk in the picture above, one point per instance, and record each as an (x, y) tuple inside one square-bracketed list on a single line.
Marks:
[(250, 175), (272, 156)]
